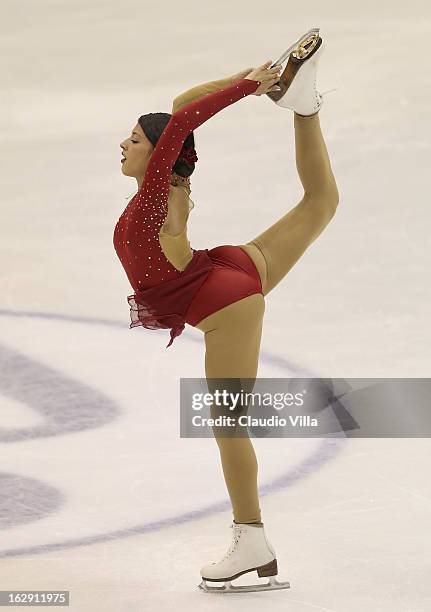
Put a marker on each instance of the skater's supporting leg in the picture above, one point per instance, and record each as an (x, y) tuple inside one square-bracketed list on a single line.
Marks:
[(232, 343), (279, 247)]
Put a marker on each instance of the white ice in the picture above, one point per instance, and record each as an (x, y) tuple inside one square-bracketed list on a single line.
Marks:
[(99, 495)]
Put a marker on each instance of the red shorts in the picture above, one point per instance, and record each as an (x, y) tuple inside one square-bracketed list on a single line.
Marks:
[(233, 278)]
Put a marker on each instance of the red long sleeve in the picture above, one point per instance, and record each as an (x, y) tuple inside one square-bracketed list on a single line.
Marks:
[(136, 234)]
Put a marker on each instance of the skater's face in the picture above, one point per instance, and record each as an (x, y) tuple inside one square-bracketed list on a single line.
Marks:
[(137, 150)]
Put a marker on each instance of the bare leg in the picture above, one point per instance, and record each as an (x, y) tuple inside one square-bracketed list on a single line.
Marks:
[(278, 248)]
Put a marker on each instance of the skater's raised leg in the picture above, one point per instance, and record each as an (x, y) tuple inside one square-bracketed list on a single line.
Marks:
[(278, 248)]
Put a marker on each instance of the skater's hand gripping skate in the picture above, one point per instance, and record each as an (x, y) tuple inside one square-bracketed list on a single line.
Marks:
[(268, 78), (238, 76)]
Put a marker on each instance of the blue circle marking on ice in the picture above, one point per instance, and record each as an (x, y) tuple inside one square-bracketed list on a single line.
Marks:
[(58, 421)]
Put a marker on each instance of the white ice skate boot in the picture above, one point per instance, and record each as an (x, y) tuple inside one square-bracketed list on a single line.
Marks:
[(297, 82), (249, 551)]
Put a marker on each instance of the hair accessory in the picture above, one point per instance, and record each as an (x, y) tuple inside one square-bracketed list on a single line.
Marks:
[(183, 181), (189, 154)]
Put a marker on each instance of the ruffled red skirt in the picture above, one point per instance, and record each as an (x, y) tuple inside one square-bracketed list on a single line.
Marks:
[(213, 279)]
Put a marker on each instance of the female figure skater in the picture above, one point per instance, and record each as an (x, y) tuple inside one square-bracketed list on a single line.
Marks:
[(221, 290)]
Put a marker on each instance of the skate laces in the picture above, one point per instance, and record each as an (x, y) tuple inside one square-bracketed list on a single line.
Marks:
[(236, 536)]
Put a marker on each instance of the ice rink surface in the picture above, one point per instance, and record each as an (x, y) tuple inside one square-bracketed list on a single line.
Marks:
[(99, 495)]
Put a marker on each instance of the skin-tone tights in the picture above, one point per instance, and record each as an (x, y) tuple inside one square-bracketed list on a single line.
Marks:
[(233, 333)]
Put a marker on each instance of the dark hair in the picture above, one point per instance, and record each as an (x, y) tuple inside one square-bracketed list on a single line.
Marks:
[(153, 125)]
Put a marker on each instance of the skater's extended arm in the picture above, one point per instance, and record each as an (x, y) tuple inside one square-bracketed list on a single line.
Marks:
[(198, 92), (205, 88), (155, 186)]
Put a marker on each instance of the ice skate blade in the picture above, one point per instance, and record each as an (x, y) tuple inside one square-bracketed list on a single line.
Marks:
[(272, 585), (310, 33)]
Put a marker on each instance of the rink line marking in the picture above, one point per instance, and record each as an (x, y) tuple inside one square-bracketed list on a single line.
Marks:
[(273, 359), (328, 450), (324, 453)]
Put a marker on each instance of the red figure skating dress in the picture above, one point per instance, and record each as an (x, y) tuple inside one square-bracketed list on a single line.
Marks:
[(165, 297)]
